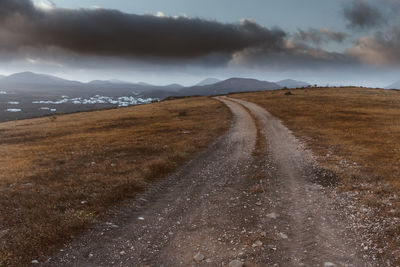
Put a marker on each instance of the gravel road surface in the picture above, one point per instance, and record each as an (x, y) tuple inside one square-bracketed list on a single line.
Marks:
[(229, 207)]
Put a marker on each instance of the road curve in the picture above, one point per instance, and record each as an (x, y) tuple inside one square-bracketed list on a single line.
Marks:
[(228, 204), (179, 217), (316, 227)]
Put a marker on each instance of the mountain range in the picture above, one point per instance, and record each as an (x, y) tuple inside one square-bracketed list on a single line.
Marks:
[(28, 79), (229, 86), (29, 82)]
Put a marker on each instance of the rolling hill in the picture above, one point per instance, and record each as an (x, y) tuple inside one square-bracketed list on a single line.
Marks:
[(30, 79), (231, 85), (29, 82), (289, 83), (208, 81), (395, 85)]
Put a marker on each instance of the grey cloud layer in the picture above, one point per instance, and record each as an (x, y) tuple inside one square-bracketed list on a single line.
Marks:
[(103, 32), (382, 47), (362, 15), (16, 7), (86, 36), (319, 36), (294, 56)]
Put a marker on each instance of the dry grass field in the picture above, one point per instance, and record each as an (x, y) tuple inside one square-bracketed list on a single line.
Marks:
[(58, 174), (356, 133)]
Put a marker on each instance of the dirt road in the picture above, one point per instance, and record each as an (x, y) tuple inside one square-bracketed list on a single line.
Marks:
[(228, 204)]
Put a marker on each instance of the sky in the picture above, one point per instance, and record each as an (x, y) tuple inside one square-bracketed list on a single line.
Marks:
[(335, 42)]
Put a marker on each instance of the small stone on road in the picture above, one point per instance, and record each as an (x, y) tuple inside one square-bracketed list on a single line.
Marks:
[(236, 263), (283, 236), (258, 243), (273, 215), (198, 257), (329, 264)]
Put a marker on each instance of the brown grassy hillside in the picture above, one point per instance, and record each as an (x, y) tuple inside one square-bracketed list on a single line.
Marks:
[(356, 133), (58, 174)]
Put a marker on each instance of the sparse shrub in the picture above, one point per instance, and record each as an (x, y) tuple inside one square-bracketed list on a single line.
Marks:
[(182, 113)]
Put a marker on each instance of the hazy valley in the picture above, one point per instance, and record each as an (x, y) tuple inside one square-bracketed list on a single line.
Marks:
[(29, 95)]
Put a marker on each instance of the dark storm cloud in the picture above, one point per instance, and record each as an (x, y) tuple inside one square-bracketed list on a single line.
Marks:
[(103, 38), (362, 15), (382, 47), (319, 36), (13, 7), (102, 32)]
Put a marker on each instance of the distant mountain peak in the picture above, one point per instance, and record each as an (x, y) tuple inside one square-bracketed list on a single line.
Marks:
[(288, 80), (290, 83), (395, 85), (230, 85), (174, 85), (105, 82), (144, 84), (117, 81), (31, 77), (208, 81)]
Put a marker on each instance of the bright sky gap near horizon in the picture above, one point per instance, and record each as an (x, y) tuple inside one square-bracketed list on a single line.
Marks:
[(336, 42)]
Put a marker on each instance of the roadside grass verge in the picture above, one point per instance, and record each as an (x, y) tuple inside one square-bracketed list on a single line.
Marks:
[(59, 174), (355, 132)]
